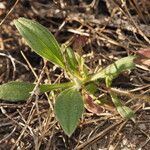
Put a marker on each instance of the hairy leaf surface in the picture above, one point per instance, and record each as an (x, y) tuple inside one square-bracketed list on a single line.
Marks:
[(20, 91), (68, 109), (124, 111), (116, 68)]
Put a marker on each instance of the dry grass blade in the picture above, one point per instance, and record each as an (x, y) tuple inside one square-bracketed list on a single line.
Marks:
[(98, 136), (9, 12)]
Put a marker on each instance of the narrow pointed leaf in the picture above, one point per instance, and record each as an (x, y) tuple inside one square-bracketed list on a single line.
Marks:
[(68, 109), (124, 111), (108, 81), (116, 68), (50, 87), (71, 60), (40, 40), (20, 91), (82, 66)]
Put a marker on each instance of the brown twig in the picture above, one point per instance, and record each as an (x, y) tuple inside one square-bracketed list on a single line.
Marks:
[(98, 136), (9, 12)]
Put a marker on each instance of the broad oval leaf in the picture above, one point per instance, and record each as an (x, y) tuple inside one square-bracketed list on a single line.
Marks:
[(20, 91), (15, 91), (68, 109), (40, 40), (116, 68)]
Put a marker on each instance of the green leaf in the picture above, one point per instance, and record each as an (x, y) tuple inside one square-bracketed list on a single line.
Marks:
[(71, 60), (124, 111), (15, 91), (115, 69), (40, 40), (91, 88), (20, 91), (68, 109), (50, 87), (108, 81), (82, 66)]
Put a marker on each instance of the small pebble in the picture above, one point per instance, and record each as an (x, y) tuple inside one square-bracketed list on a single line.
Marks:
[(124, 141), (142, 126)]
